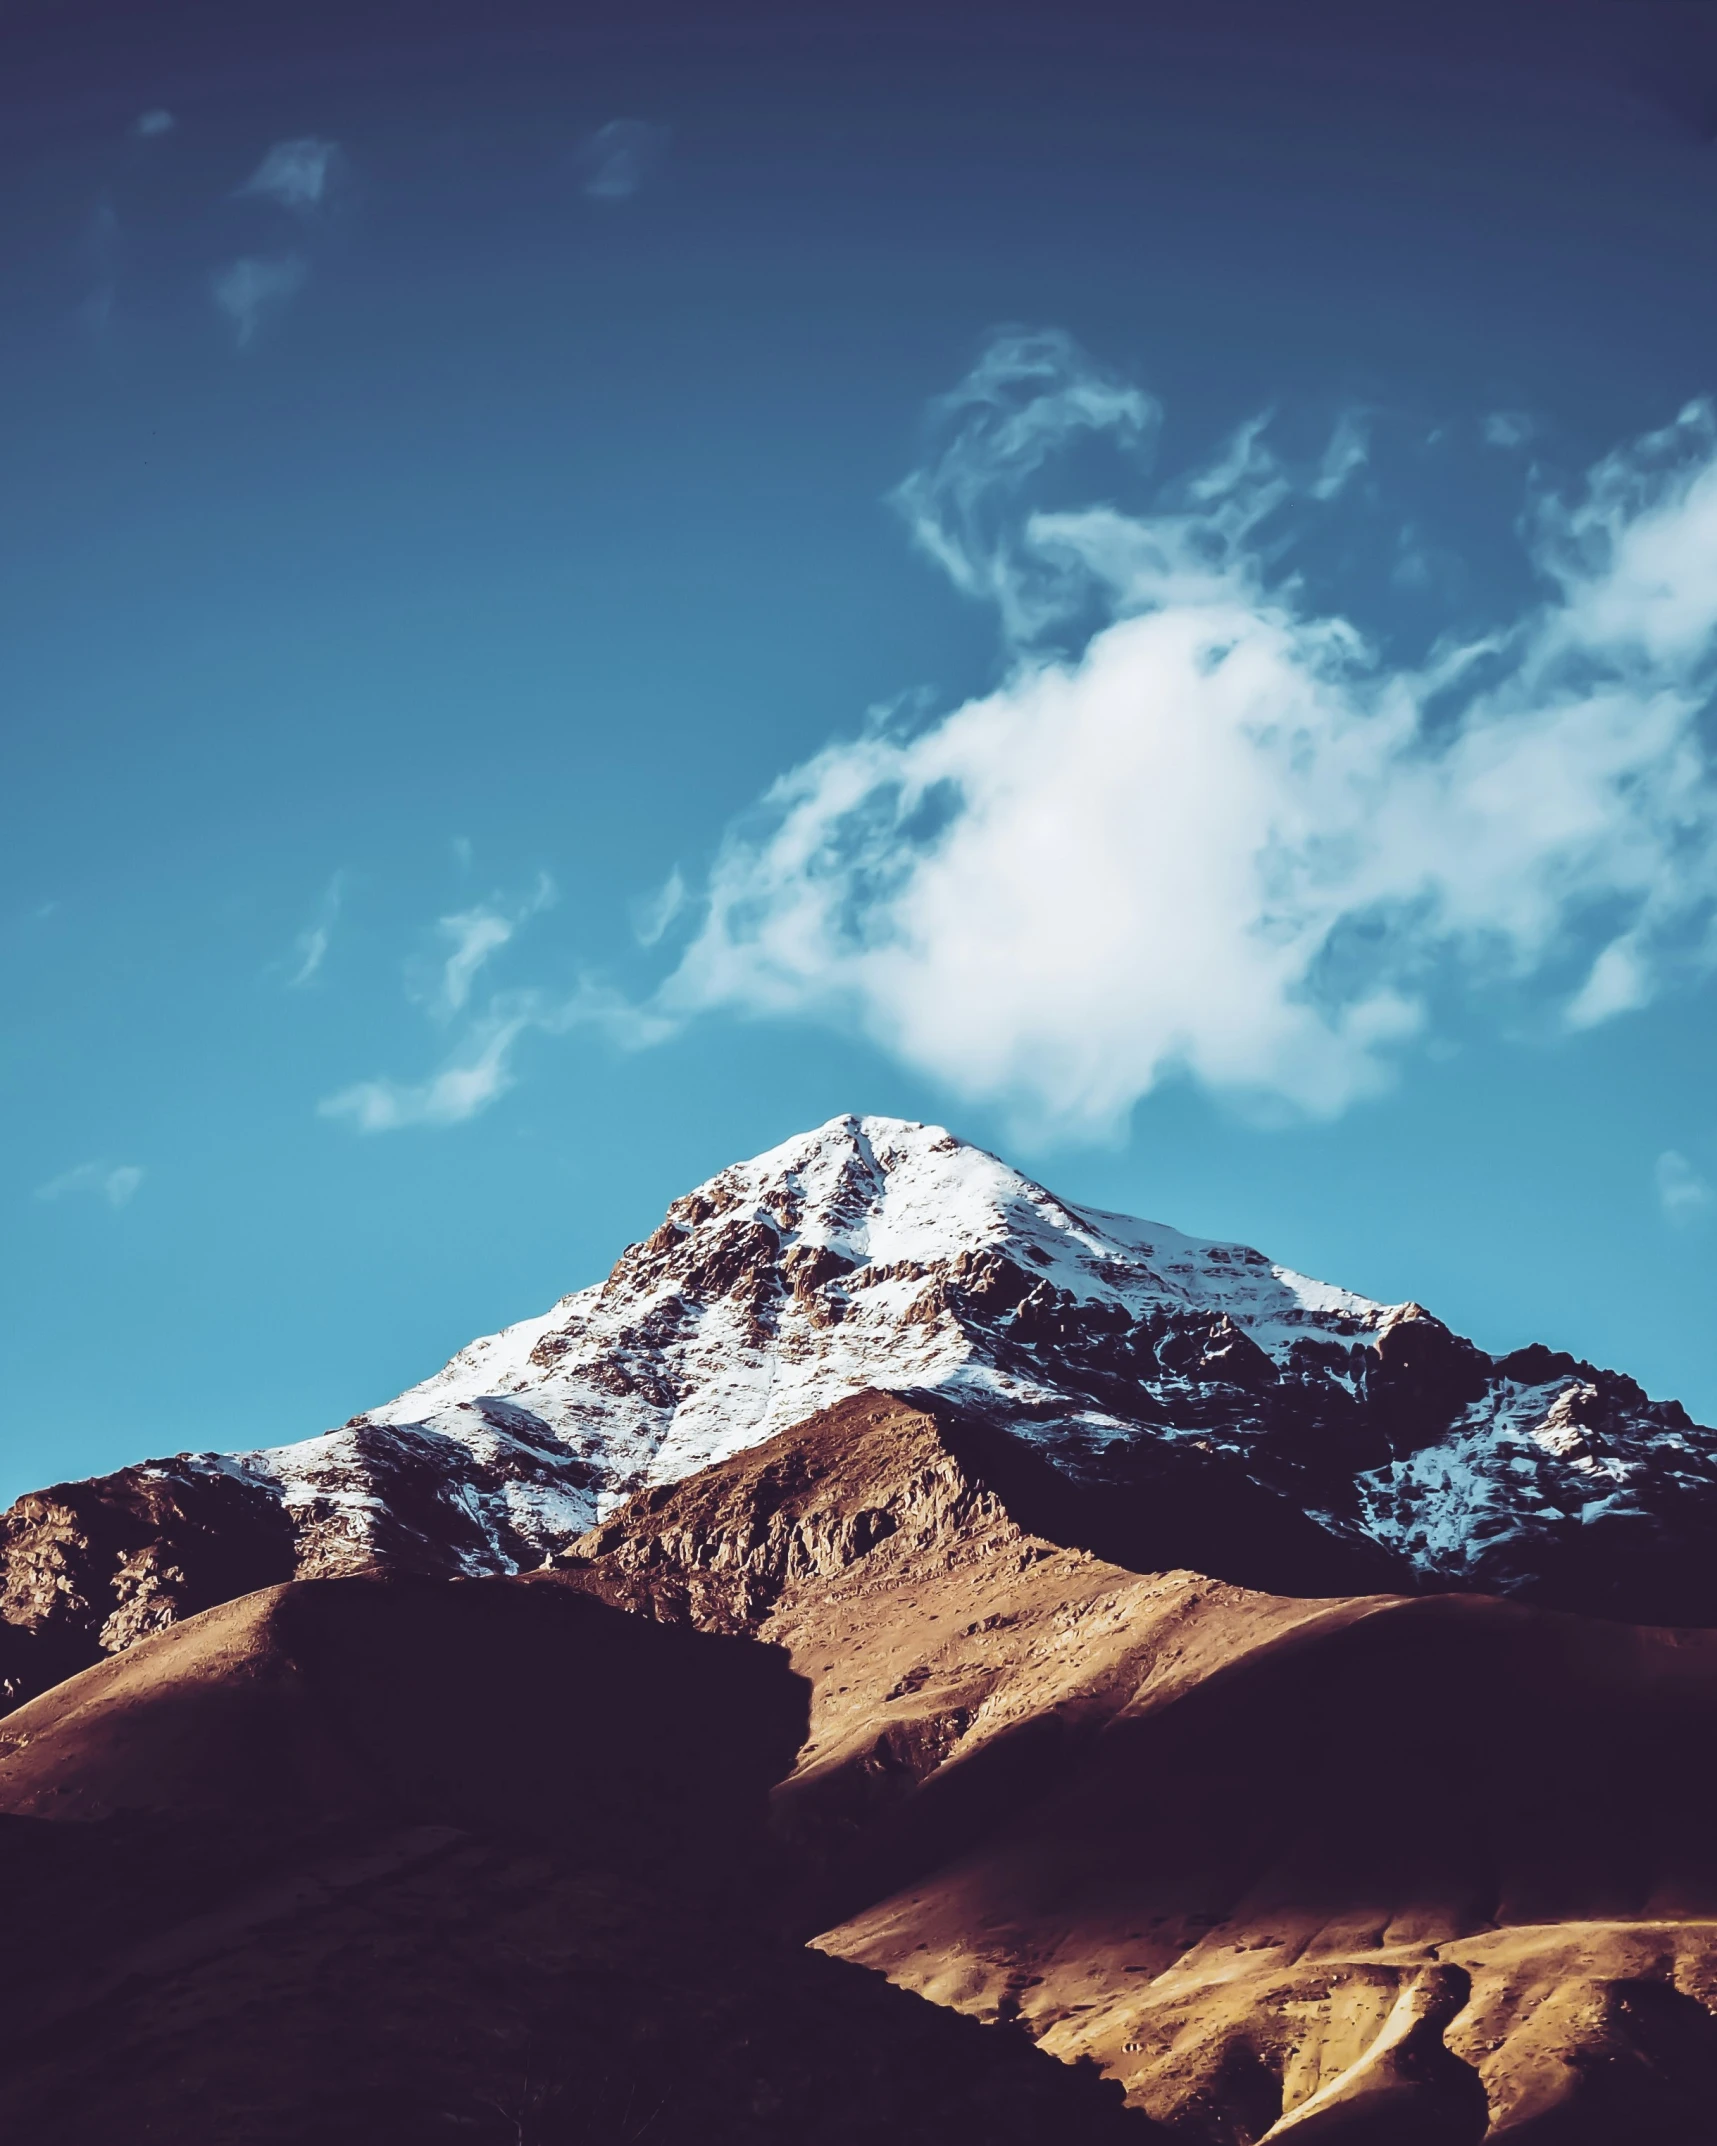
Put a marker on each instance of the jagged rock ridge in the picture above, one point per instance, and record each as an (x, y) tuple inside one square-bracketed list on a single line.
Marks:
[(1283, 1433)]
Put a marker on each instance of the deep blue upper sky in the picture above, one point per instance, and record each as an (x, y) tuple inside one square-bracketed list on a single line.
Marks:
[(452, 470)]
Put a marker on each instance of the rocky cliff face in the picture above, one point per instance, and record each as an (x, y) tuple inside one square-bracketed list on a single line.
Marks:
[(1236, 1417)]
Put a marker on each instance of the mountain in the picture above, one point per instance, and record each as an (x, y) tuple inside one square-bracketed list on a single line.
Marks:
[(1239, 1417), (897, 1631), (1382, 1870), (388, 1861)]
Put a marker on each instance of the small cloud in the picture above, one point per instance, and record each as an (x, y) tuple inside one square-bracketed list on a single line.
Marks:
[(481, 1068), (479, 1071), (1509, 428), (1682, 1193), (462, 852), (620, 157), (472, 936), (150, 126), (249, 290), (114, 1185), (1619, 983), (1349, 450), (456, 1093), (311, 945), (652, 916), (476, 934), (298, 174)]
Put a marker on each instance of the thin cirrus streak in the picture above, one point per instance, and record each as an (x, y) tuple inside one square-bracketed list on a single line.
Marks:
[(480, 1063), (298, 174), (115, 1183), (1227, 838), (250, 291), (1683, 1193), (311, 946)]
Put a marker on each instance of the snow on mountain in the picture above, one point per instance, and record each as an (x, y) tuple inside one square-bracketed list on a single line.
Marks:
[(1271, 1429), (843, 1259), (873, 1252)]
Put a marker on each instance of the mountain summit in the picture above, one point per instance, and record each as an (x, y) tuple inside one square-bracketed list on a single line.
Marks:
[(1237, 1417)]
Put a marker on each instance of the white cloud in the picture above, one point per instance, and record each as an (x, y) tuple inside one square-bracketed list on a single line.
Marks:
[(652, 916), (467, 1084), (250, 290), (311, 945), (1348, 452), (1229, 838), (471, 937), (1021, 405), (1682, 1193), (150, 126), (1509, 428), (480, 1069), (115, 1185), (298, 174), (619, 157)]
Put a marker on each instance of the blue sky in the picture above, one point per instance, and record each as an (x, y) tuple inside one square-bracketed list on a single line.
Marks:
[(577, 599)]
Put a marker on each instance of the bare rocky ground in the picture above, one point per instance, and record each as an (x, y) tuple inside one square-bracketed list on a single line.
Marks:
[(1379, 1870), (386, 1859), (870, 1781)]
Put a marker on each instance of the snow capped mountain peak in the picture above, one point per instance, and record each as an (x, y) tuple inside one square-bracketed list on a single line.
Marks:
[(1193, 1374), (868, 1252)]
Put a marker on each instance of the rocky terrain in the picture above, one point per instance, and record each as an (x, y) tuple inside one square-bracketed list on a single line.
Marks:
[(391, 1861), (1379, 1870), (1251, 1423)]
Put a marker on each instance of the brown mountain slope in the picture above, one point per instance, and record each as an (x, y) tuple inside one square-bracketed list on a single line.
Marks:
[(400, 1861), (1372, 1870)]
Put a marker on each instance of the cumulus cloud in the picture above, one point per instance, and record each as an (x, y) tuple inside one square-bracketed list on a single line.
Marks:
[(299, 175), (114, 1184), (619, 157), (251, 290), (1682, 1193), (311, 946), (150, 126), (1224, 835)]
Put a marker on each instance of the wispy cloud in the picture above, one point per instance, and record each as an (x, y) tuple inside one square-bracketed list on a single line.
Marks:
[(1682, 1192), (152, 125), (114, 1184), (471, 937), (311, 946), (652, 917), (1509, 428), (468, 1083), (620, 157), (300, 175), (1226, 835), (251, 290), (481, 1068)]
